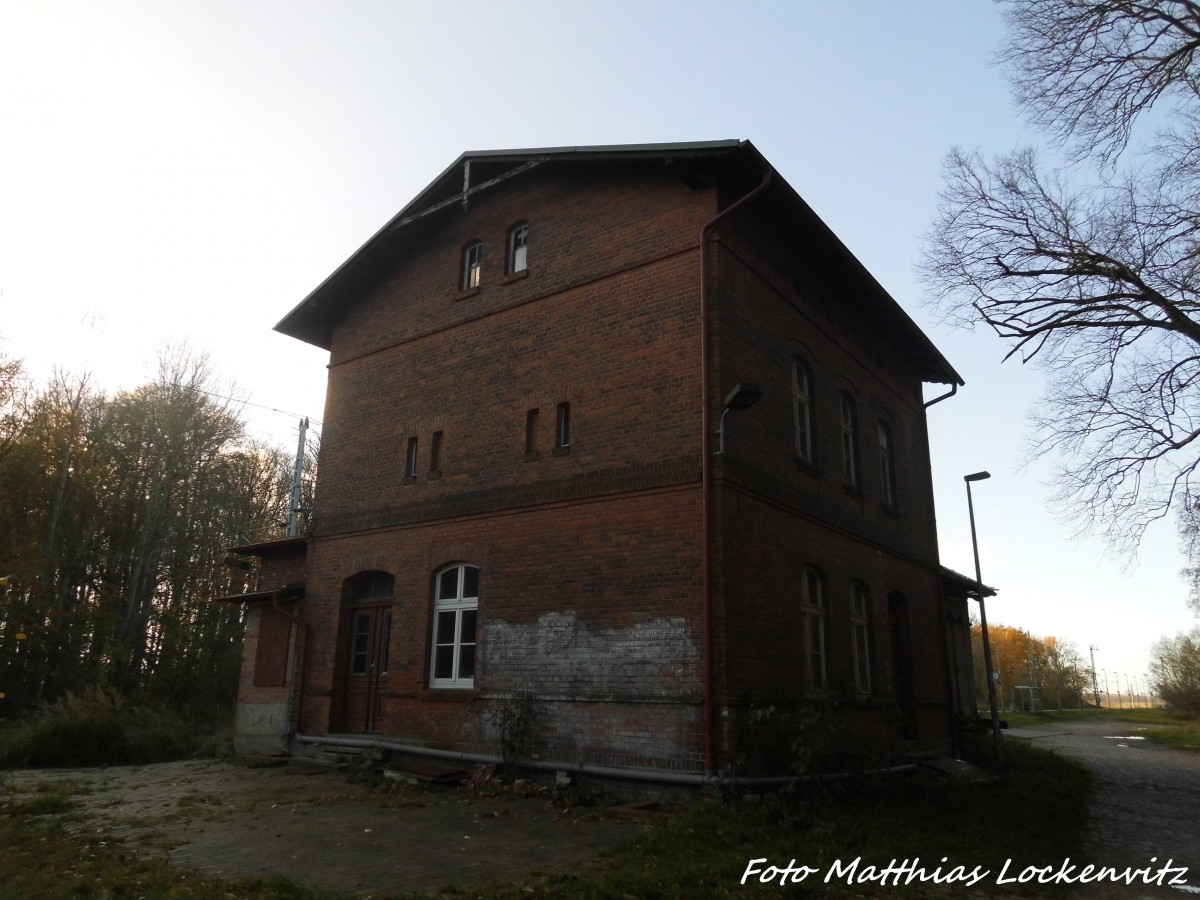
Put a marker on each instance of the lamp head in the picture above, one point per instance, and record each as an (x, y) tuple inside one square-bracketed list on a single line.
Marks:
[(744, 395), (978, 476)]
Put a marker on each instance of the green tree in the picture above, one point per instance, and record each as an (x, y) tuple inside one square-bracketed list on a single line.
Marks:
[(1175, 670)]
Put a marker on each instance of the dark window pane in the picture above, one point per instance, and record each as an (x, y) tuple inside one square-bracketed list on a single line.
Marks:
[(443, 662), (448, 585), (470, 581), (445, 627), (466, 661), (467, 635)]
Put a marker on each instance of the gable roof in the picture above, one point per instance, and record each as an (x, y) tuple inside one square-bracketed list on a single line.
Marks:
[(733, 163)]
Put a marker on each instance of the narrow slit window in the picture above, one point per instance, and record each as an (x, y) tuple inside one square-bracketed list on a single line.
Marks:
[(518, 249), (563, 430), (410, 462), (531, 429), (435, 453), (472, 256)]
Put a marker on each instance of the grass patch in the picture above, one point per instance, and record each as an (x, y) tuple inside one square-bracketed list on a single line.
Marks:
[(1185, 736), (1034, 814), (1142, 715)]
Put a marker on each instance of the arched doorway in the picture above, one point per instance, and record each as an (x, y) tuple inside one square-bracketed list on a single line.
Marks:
[(368, 599)]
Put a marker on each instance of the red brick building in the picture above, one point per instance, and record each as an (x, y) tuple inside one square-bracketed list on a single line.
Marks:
[(520, 490)]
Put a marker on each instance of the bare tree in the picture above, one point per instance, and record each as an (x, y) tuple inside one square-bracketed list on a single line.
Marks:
[(1091, 272)]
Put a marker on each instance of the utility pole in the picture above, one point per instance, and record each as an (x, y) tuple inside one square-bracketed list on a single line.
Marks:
[(297, 474), (1095, 684)]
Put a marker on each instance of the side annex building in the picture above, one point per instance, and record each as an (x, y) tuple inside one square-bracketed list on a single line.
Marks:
[(626, 432)]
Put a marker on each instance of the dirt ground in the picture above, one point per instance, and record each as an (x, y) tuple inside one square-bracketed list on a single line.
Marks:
[(309, 824)]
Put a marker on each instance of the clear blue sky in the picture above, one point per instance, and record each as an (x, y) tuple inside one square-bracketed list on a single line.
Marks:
[(176, 171)]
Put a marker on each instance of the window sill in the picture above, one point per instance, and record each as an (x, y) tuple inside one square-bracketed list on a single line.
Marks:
[(451, 692), (532, 456), (561, 451), (806, 465), (892, 511), (515, 276), (435, 475), (409, 479), (853, 490), (470, 292)]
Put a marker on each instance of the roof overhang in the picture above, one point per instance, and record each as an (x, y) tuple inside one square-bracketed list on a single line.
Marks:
[(730, 162), (959, 587), (287, 592), (296, 546)]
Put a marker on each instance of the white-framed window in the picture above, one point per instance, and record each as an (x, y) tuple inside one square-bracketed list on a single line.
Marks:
[(860, 634), (887, 465), (455, 610), (802, 381), (814, 630), (850, 473), (471, 260), (518, 248)]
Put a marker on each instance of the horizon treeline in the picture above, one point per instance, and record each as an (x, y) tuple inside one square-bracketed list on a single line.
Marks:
[(1052, 667), (115, 511)]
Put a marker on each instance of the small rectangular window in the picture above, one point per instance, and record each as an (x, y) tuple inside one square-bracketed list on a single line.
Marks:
[(410, 463), (471, 266), (435, 454), (563, 430), (531, 429), (518, 249)]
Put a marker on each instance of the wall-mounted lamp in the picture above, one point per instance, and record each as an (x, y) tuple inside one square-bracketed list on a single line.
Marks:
[(743, 396)]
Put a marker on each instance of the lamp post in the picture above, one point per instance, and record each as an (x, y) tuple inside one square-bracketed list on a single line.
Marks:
[(1095, 684), (743, 396), (987, 645)]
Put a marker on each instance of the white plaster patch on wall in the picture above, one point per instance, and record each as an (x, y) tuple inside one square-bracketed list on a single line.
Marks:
[(560, 656)]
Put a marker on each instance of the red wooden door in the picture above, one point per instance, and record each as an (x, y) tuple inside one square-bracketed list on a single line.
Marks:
[(366, 679)]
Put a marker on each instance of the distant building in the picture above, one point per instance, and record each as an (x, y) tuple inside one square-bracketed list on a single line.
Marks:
[(520, 491)]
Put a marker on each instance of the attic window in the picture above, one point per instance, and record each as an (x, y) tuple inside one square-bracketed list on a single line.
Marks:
[(472, 254), (518, 248)]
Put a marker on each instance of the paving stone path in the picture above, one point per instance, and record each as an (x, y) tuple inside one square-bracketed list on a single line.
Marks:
[(1147, 799), (308, 824)]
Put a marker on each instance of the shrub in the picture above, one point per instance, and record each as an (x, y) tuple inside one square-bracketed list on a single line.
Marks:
[(96, 729)]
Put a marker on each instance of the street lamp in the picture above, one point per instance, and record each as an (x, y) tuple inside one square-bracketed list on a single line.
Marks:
[(1095, 684), (743, 396), (997, 739)]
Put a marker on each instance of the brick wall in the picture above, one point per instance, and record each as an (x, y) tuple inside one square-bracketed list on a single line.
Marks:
[(589, 556)]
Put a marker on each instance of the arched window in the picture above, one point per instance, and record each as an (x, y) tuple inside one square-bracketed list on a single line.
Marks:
[(802, 386), (860, 633), (455, 610), (814, 630)]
